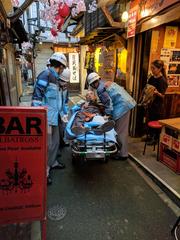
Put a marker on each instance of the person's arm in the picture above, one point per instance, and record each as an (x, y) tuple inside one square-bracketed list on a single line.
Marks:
[(40, 89), (106, 100), (65, 105), (163, 87), (158, 93)]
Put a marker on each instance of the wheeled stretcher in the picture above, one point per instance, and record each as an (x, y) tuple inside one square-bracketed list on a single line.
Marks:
[(92, 144)]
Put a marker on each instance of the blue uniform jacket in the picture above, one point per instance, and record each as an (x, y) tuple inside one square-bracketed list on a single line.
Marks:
[(46, 93), (115, 98), (64, 99)]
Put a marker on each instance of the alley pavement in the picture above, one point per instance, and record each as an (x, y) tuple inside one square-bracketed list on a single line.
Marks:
[(100, 201), (106, 201)]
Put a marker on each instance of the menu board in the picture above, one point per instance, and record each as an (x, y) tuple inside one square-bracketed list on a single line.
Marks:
[(170, 37), (107, 70), (89, 60), (171, 58)]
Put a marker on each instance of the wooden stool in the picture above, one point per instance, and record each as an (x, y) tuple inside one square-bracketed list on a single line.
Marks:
[(153, 125)]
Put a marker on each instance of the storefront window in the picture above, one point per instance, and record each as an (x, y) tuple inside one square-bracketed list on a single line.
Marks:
[(165, 46)]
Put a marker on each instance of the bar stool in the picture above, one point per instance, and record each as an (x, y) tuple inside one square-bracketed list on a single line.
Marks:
[(157, 127)]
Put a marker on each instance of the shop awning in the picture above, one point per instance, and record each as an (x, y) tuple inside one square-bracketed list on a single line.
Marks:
[(101, 34), (167, 15)]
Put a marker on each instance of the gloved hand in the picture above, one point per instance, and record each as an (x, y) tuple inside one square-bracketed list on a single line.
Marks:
[(64, 118), (36, 103)]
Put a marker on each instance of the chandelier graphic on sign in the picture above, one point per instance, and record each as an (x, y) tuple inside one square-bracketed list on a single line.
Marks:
[(16, 180)]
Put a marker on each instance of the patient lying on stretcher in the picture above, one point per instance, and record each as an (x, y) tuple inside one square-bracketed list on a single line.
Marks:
[(87, 111)]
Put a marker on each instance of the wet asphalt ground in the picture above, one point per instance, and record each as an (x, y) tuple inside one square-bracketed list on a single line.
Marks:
[(106, 201)]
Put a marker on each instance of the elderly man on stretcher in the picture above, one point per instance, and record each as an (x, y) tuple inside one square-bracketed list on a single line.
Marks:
[(89, 116), (92, 134)]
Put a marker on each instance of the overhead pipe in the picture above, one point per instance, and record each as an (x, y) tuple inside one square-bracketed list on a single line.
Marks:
[(111, 20), (20, 10)]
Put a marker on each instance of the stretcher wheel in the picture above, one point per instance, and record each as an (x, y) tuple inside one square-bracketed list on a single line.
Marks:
[(105, 160), (74, 159), (77, 160)]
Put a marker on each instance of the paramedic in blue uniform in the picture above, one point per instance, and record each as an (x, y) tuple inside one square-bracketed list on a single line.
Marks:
[(118, 104), (46, 93), (63, 88)]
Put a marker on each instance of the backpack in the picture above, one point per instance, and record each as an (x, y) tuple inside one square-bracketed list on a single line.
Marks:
[(147, 96)]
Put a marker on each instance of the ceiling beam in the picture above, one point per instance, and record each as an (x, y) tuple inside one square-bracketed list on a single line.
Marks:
[(111, 20), (171, 15), (121, 40), (102, 3)]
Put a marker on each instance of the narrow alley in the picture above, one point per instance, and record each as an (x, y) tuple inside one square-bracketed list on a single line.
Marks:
[(89, 119), (106, 201)]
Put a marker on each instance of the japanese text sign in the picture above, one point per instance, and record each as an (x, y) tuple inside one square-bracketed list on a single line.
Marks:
[(131, 31), (74, 67)]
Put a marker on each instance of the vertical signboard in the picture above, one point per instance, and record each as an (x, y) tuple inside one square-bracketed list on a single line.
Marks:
[(107, 70), (131, 30), (74, 67), (23, 153)]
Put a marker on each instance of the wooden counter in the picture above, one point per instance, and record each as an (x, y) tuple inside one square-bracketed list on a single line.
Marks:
[(173, 123), (169, 145), (171, 108)]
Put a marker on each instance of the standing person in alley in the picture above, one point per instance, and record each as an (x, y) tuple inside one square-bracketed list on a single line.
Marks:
[(46, 93), (118, 104), (63, 88), (159, 81)]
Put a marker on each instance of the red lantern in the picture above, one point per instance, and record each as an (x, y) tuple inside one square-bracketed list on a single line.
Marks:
[(54, 32), (64, 10), (58, 18), (60, 23)]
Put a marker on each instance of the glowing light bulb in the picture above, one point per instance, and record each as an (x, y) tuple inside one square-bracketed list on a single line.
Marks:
[(124, 16)]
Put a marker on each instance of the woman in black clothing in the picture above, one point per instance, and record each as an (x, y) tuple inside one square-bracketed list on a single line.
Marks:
[(159, 81)]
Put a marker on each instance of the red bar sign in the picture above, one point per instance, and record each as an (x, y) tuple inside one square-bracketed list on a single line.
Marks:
[(23, 154)]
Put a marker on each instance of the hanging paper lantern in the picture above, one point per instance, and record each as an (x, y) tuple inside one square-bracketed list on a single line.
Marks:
[(54, 32), (58, 18), (60, 24), (64, 10), (58, 21)]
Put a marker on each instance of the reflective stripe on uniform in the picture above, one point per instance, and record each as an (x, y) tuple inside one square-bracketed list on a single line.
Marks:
[(42, 82)]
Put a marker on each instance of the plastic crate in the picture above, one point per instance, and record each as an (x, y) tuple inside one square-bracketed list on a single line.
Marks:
[(170, 158), (176, 144), (166, 139)]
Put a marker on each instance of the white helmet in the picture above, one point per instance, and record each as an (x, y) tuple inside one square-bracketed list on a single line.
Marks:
[(65, 75), (92, 77), (48, 62), (60, 57)]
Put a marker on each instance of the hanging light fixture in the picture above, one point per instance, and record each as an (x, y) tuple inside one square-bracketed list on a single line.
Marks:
[(125, 15)]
